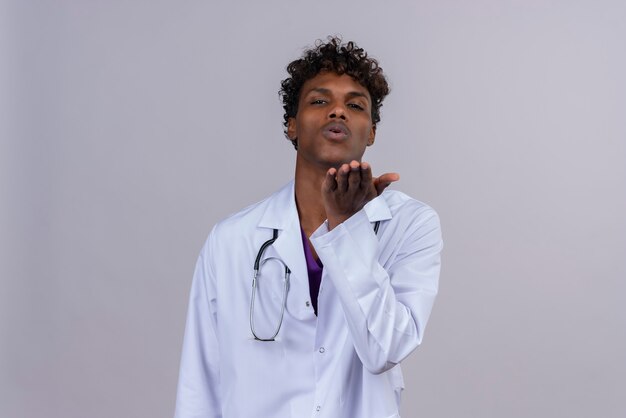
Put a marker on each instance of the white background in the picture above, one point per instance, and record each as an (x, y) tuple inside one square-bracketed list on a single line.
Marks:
[(128, 128)]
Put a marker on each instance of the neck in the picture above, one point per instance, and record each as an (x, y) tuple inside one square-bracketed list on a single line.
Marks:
[(308, 188)]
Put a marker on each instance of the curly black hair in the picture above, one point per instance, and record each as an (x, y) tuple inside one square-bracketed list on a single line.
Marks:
[(341, 58)]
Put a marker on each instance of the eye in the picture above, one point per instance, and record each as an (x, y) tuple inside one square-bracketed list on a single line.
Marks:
[(355, 106), (318, 102)]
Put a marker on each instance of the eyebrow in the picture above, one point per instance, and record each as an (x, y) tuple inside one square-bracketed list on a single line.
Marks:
[(350, 94)]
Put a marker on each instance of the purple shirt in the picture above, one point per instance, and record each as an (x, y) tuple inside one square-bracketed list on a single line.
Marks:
[(314, 269)]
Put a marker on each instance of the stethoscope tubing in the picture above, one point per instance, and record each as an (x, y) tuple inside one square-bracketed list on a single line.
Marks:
[(254, 286), (257, 262)]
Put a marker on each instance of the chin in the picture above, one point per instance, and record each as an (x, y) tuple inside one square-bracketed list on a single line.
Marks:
[(330, 159), (341, 158), (337, 162)]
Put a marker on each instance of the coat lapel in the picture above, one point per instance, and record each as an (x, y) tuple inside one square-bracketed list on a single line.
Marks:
[(282, 214)]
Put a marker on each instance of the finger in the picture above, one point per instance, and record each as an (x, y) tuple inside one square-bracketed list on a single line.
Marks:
[(366, 176), (342, 177), (330, 183), (384, 180), (389, 177), (354, 179)]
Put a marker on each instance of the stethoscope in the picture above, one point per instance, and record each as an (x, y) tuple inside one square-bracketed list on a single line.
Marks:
[(257, 264)]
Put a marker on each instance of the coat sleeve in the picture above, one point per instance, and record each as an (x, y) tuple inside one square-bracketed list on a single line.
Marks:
[(198, 384), (386, 307)]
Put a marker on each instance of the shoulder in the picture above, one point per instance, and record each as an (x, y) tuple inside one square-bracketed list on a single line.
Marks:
[(404, 206), (413, 226), (254, 215)]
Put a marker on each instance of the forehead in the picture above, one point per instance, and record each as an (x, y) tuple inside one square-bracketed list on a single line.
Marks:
[(335, 84)]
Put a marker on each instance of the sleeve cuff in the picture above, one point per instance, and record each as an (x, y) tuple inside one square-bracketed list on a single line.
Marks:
[(322, 236)]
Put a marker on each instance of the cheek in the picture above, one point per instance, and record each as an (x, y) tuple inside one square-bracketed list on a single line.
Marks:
[(305, 126), (365, 131)]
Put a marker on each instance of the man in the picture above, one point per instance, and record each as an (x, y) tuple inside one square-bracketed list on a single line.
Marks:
[(347, 274)]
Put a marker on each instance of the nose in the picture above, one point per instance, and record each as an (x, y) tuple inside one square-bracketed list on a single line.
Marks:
[(337, 111)]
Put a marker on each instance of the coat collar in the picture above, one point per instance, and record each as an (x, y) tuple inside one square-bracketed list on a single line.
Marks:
[(281, 210), (377, 209)]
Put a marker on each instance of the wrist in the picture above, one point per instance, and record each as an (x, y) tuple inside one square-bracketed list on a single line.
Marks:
[(335, 220)]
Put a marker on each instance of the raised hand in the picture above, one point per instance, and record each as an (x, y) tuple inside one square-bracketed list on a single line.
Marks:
[(346, 190)]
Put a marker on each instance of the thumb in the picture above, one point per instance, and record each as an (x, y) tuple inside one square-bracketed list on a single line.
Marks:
[(383, 181)]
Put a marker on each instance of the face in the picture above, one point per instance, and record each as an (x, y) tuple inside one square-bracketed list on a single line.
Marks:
[(334, 121)]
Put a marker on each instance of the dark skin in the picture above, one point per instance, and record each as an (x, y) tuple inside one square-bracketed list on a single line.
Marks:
[(333, 127)]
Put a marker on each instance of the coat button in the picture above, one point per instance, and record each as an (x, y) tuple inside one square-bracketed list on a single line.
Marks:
[(317, 408), (308, 303), (322, 350)]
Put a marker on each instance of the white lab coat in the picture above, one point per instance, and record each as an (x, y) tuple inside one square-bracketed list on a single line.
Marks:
[(375, 299)]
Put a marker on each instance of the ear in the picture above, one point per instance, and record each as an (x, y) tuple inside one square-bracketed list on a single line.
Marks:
[(292, 131), (372, 136)]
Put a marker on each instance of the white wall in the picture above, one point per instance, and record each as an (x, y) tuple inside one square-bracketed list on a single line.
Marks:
[(128, 128)]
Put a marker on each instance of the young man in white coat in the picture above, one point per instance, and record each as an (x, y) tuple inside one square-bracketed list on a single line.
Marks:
[(344, 275)]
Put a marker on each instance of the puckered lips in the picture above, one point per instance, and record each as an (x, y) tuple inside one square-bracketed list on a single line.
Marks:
[(335, 131)]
